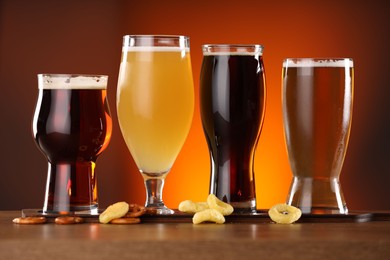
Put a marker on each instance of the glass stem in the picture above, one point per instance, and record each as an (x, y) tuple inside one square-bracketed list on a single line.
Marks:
[(154, 188), (154, 184)]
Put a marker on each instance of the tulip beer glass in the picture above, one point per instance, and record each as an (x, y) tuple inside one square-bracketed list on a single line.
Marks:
[(232, 106), (317, 111), (155, 104), (71, 126)]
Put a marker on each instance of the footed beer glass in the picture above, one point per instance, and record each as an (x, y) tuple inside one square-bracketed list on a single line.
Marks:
[(155, 104), (72, 127), (317, 112)]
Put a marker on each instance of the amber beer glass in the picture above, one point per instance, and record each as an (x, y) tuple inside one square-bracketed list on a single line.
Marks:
[(155, 104), (232, 106), (71, 126), (317, 112)]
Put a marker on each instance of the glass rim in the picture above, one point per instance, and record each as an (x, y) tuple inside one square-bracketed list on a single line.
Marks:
[(72, 75), (71, 81), (317, 58), (145, 42), (156, 36), (214, 49), (318, 62)]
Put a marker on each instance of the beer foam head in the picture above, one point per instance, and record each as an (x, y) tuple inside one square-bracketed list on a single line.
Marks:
[(232, 50), (155, 49), (231, 53), (69, 81), (339, 62), (156, 43)]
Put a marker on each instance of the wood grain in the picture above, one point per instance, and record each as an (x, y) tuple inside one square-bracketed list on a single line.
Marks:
[(347, 240)]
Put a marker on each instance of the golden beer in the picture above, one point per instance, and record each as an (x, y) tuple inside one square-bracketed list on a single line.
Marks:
[(155, 104), (317, 111)]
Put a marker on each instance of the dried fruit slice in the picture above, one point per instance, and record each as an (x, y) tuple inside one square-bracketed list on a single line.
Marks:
[(284, 214), (67, 220), (114, 211), (215, 203), (125, 221), (29, 220), (188, 206), (135, 211), (208, 215)]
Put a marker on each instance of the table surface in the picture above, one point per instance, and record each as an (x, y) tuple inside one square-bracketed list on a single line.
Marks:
[(348, 240)]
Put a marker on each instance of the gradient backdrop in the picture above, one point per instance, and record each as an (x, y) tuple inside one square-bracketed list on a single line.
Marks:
[(86, 37)]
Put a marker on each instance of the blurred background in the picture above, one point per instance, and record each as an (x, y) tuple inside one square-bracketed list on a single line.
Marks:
[(85, 36)]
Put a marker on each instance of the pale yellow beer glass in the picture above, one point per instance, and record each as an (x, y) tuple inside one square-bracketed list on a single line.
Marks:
[(155, 104), (317, 113)]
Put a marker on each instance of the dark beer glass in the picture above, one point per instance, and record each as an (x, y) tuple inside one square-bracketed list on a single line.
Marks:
[(232, 106), (71, 126), (317, 115)]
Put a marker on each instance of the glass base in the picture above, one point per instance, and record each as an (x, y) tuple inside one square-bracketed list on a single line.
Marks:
[(40, 213), (317, 196), (159, 210), (73, 210), (325, 211), (245, 207)]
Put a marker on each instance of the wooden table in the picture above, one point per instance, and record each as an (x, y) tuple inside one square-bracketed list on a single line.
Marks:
[(256, 240)]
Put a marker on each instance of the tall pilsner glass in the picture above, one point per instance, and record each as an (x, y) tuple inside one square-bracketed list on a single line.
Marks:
[(155, 103), (317, 112), (233, 94)]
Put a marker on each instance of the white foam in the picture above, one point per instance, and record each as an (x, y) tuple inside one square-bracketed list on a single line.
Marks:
[(64, 81), (155, 49), (227, 53), (232, 50), (346, 62)]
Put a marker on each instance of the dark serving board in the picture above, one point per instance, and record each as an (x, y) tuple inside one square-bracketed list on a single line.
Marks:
[(261, 216)]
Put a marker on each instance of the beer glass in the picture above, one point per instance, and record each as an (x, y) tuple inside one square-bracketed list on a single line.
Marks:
[(72, 127), (317, 111), (155, 104), (232, 106)]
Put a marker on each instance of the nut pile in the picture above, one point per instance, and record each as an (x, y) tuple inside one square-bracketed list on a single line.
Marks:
[(213, 210)]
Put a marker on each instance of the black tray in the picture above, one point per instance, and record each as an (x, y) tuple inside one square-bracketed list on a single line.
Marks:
[(261, 216)]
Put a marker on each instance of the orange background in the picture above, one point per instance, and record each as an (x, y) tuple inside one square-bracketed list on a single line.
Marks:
[(86, 37)]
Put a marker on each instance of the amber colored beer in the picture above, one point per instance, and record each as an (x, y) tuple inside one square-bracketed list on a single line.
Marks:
[(72, 126), (317, 109), (232, 95)]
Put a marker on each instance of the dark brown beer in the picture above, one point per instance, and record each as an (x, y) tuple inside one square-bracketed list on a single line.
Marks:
[(232, 95), (71, 127)]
